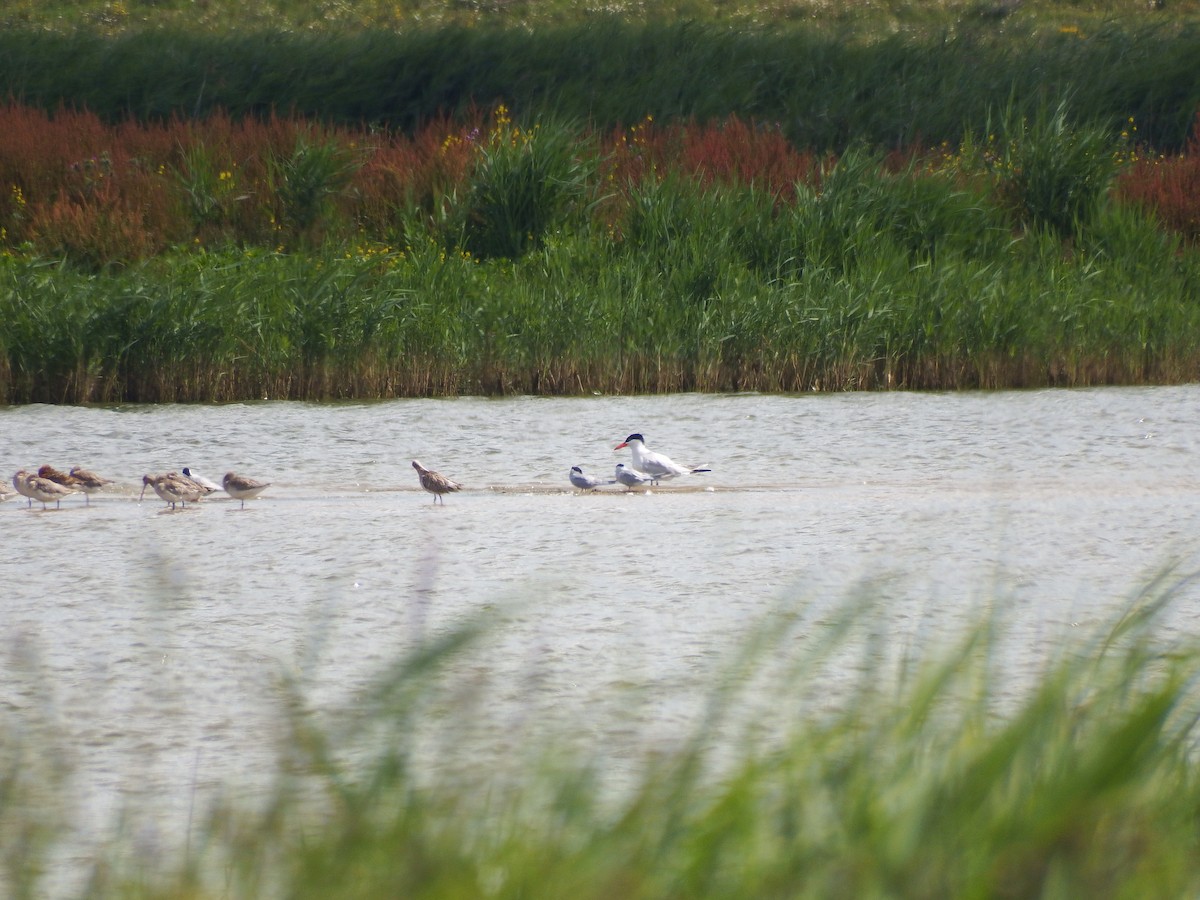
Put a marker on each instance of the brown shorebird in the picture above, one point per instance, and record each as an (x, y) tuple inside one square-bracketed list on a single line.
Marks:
[(239, 487), (58, 477), (88, 482), (172, 488), (19, 482), (435, 483), (41, 489)]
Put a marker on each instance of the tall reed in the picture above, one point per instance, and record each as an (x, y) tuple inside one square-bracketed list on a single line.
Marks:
[(525, 183), (657, 267), (1052, 174), (825, 88), (702, 309)]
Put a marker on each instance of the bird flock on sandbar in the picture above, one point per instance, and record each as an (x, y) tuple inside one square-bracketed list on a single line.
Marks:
[(646, 468), (50, 485)]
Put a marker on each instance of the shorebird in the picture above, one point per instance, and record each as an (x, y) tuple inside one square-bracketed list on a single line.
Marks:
[(172, 487), (210, 487), (52, 474), (88, 482), (239, 487), (20, 482), (435, 483), (656, 465), (585, 482), (42, 489), (6, 493), (630, 478)]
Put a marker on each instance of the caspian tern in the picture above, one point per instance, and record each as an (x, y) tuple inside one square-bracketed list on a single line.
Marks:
[(239, 487), (435, 483), (632, 479), (585, 482), (655, 465)]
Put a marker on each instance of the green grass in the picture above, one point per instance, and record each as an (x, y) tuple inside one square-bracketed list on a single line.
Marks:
[(309, 15), (935, 771), (220, 258), (824, 90), (875, 284)]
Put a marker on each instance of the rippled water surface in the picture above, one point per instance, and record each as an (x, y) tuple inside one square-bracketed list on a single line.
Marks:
[(151, 643)]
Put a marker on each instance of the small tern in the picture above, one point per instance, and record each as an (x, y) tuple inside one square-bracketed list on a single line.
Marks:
[(585, 482), (630, 478)]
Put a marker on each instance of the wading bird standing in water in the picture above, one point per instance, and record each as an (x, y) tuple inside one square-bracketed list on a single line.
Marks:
[(43, 490), (172, 488), (88, 482), (20, 481), (435, 483), (239, 487)]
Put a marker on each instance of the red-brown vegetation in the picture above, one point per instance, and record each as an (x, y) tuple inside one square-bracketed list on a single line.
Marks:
[(76, 187), (1168, 186)]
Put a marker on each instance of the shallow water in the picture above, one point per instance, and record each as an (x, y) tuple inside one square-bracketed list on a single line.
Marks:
[(150, 644)]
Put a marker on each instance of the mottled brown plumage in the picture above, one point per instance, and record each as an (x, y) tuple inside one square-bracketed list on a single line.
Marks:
[(52, 474), (35, 487), (21, 482), (88, 482), (239, 487), (172, 487), (437, 484)]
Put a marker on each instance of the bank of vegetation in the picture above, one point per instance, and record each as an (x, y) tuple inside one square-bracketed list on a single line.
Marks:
[(517, 199), (223, 259), (933, 776), (824, 89)]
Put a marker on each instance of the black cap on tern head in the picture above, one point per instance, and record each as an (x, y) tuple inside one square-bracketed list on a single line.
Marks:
[(635, 437), (577, 469)]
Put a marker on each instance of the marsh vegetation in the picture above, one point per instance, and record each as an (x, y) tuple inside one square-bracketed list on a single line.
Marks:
[(220, 259)]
